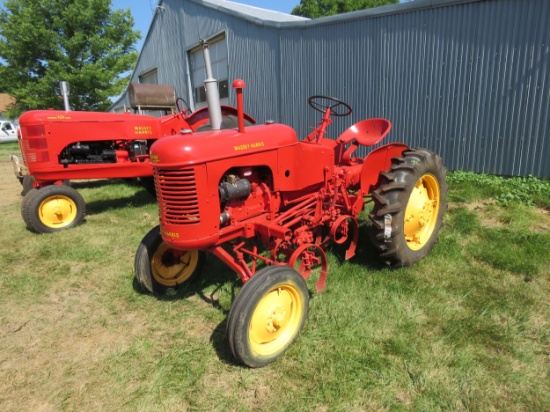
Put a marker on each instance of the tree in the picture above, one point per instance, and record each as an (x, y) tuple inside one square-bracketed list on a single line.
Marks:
[(82, 42), (319, 8)]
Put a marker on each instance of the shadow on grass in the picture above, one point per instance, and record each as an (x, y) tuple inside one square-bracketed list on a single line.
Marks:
[(215, 277), (221, 344), (365, 255), (139, 199), (97, 183)]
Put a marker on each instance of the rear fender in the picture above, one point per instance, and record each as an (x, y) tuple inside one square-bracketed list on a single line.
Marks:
[(173, 124), (41, 184), (378, 161), (202, 116)]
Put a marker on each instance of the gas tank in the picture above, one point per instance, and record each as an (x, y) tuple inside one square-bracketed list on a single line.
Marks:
[(201, 147)]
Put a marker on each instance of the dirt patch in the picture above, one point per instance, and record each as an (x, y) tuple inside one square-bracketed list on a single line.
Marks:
[(485, 214), (490, 217), (10, 188), (46, 346), (544, 223)]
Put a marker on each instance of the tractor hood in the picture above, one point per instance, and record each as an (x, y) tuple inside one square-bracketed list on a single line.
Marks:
[(201, 147), (51, 116)]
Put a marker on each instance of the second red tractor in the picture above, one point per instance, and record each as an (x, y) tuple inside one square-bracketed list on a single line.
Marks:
[(58, 146)]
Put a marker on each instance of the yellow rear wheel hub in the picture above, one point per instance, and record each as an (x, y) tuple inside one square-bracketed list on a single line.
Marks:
[(422, 212), (276, 320), (57, 211), (170, 267)]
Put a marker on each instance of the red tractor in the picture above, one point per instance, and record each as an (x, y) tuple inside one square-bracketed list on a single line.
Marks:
[(58, 146), (258, 196)]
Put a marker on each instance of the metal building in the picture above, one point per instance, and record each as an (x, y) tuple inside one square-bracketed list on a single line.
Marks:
[(469, 79)]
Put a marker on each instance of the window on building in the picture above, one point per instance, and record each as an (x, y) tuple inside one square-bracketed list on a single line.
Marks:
[(151, 77), (218, 59)]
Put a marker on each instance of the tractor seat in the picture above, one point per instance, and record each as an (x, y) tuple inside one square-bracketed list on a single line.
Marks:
[(364, 133)]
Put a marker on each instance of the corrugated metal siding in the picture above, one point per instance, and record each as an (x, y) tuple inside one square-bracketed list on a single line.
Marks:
[(253, 52), (469, 80)]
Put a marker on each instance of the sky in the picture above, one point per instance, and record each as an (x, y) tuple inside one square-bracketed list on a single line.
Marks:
[(142, 10)]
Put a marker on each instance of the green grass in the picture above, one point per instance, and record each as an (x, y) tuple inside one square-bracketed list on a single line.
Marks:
[(467, 328)]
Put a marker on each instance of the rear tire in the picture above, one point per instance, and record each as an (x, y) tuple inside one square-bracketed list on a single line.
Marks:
[(27, 182), (409, 203), (53, 208), (159, 268), (267, 315)]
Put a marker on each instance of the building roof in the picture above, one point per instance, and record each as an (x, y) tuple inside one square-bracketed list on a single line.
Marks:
[(243, 10), (5, 101), (265, 17)]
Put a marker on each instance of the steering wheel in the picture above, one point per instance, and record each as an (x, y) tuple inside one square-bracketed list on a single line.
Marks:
[(180, 105), (322, 103)]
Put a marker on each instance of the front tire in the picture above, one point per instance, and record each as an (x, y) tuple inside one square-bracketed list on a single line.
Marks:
[(148, 183), (53, 208), (409, 204), (267, 315), (25, 204), (159, 268)]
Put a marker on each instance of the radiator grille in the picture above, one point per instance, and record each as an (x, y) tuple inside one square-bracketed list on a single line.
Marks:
[(177, 196), (33, 149)]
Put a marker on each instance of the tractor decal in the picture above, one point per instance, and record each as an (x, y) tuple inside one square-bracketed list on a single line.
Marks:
[(249, 146)]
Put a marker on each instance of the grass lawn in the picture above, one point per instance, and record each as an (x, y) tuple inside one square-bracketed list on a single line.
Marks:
[(467, 328)]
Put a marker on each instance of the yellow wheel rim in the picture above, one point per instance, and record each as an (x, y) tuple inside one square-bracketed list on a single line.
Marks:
[(57, 211), (276, 320), (422, 212), (171, 267)]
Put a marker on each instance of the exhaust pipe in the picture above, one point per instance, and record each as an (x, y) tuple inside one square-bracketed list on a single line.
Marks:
[(65, 93), (212, 92)]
